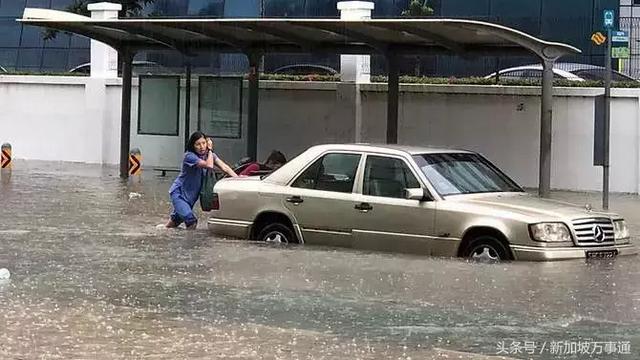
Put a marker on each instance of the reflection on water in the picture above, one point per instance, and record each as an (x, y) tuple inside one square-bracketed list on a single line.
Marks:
[(92, 277)]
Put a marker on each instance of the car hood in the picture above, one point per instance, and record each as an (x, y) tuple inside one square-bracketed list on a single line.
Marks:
[(524, 204)]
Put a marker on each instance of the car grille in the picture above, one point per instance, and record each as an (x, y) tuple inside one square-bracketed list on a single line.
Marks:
[(585, 230)]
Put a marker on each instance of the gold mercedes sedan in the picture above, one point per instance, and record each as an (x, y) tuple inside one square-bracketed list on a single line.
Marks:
[(416, 200)]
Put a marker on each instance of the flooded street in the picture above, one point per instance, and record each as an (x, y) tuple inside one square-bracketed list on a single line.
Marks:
[(92, 277)]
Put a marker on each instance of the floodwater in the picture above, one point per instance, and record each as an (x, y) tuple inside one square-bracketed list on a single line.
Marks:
[(92, 277)]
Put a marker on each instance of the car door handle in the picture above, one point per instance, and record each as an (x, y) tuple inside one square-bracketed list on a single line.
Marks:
[(295, 200), (363, 207)]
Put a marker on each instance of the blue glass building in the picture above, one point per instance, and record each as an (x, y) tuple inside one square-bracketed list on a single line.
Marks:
[(22, 47)]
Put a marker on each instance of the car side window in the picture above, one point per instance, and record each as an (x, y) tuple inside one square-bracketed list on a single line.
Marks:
[(532, 74), (600, 74), (387, 177), (512, 75), (536, 74), (332, 172)]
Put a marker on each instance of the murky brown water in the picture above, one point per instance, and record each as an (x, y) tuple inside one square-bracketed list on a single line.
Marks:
[(92, 277)]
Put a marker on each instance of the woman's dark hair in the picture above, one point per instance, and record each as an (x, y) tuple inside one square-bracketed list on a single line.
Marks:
[(192, 140), (276, 157)]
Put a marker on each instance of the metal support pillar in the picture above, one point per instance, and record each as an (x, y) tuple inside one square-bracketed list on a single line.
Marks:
[(393, 90), (125, 115), (607, 124), (187, 104), (252, 121), (546, 116)]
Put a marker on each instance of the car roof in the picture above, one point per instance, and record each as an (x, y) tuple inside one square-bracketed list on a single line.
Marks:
[(557, 70), (566, 66), (564, 69), (306, 66), (288, 170), (133, 63), (389, 148)]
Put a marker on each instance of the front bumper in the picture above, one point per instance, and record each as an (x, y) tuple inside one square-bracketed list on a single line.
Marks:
[(533, 253)]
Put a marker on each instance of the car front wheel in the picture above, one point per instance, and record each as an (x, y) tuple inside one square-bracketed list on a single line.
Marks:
[(487, 249), (277, 234)]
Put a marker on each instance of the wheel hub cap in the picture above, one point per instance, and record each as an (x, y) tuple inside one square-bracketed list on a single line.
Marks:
[(485, 253), (275, 238)]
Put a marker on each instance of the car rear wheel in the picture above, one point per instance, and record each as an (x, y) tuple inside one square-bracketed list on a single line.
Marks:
[(277, 234), (487, 249)]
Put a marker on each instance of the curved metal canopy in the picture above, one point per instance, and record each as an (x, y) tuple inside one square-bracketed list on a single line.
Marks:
[(400, 36), (391, 37)]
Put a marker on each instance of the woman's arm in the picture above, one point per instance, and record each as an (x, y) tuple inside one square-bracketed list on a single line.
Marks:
[(224, 167)]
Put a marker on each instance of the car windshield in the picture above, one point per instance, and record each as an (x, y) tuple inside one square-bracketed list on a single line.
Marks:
[(463, 173), (599, 75)]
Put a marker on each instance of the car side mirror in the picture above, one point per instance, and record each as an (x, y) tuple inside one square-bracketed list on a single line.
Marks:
[(419, 194)]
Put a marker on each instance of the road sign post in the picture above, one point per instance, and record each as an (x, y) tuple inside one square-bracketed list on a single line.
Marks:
[(608, 24), (607, 114)]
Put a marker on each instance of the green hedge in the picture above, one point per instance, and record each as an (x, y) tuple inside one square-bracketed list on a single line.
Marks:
[(454, 81), (43, 73), (410, 80), (311, 77), (483, 81)]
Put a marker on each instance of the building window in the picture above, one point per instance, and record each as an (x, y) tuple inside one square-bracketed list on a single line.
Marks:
[(12, 8), (220, 106), (10, 31), (158, 105), (29, 59)]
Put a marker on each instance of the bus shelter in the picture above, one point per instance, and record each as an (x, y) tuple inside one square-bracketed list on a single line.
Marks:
[(391, 38)]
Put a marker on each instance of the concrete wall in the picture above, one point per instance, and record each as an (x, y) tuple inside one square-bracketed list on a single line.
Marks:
[(293, 117), (45, 119), (78, 119)]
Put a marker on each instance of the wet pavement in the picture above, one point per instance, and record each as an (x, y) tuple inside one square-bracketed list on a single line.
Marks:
[(92, 277)]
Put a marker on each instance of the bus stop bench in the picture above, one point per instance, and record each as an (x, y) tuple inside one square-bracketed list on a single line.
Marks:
[(164, 171)]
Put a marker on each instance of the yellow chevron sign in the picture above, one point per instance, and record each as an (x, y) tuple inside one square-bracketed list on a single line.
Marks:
[(598, 38), (135, 164)]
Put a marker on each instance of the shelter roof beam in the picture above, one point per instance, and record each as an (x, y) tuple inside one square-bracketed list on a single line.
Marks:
[(217, 35), (346, 32), (425, 35), (154, 35), (288, 36), (92, 34)]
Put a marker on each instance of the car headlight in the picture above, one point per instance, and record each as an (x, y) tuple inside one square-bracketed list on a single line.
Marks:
[(550, 232), (620, 229)]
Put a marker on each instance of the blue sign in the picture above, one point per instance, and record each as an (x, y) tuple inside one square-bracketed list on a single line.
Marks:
[(619, 37), (608, 19)]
